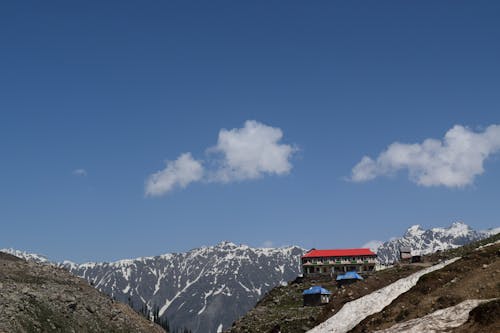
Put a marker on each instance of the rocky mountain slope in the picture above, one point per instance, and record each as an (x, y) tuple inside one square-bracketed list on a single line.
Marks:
[(468, 283), (42, 298), (431, 240), (204, 290)]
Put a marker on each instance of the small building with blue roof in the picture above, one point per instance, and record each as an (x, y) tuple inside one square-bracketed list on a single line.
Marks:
[(316, 295), (348, 278)]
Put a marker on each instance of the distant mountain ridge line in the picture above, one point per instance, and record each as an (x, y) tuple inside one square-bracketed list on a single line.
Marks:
[(43, 258), (168, 254)]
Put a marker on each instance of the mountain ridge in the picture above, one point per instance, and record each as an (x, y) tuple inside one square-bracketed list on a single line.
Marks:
[(425, 241), (204, 289)]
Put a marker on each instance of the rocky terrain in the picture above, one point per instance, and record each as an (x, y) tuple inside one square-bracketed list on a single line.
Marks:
[(475, 276), (42, 298)]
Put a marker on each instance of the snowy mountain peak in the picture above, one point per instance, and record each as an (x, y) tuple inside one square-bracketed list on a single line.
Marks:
[(226, 243), (459, 224), (456, 229), (423, 241), (414, 230), (459, 229)]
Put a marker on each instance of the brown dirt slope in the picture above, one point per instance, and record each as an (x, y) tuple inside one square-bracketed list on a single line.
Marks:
[(42, 298), (475, 276)]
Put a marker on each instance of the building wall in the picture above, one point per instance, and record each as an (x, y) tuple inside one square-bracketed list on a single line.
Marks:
[(329, 265)]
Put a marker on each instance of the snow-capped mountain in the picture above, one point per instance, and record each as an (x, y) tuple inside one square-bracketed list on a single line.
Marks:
[(27, 255), (431, 240), (205, 289)]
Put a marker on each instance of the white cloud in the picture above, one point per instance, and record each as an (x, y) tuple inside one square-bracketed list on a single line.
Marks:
[(452, 162), (373, 245), (251, 152), (178, 173), (79, 172), (241, 153)]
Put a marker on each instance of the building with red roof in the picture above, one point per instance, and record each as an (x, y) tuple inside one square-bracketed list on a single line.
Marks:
[(332, 262)]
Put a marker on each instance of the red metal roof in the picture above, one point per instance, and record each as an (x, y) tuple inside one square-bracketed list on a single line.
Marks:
[(338, 253)]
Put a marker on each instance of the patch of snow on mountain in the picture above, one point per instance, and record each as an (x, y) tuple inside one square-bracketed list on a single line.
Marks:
[(438, 321), (352, 313), (415, 230)]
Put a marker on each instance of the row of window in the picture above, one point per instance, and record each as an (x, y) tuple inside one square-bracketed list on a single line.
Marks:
[(316, 260), (311, 270)]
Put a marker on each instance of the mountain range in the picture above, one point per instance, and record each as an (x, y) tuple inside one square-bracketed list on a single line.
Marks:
[(423, 241), (208, 288), (204, 289)]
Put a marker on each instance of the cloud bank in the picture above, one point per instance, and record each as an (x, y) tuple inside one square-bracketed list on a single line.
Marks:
[(453, 161), (250, 152)]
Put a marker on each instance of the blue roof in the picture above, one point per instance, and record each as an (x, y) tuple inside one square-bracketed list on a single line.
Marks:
[(316, 290), (349, 276)]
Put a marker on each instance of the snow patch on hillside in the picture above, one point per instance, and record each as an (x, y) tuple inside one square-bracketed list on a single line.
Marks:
[(352, 313), (438, 321)]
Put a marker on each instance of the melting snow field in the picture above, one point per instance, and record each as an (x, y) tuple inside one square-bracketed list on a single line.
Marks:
[(354, 312), (437, 321)]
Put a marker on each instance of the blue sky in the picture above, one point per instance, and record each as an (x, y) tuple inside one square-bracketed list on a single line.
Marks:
[(118, 88)]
